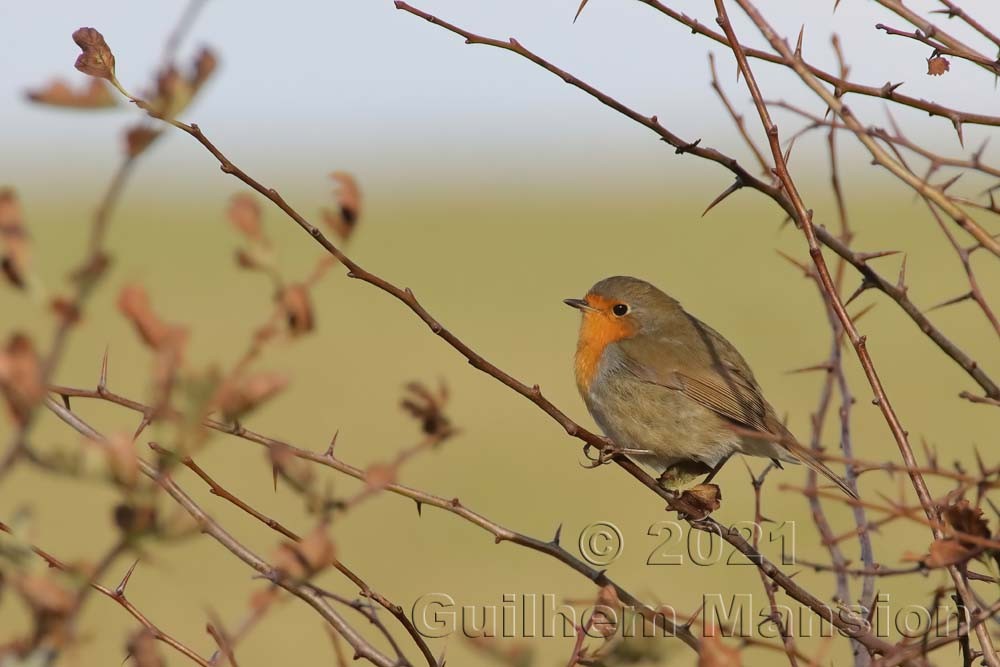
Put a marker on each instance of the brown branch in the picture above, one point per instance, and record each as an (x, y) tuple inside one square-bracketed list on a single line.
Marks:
[(303, 591), (954, 10), (804, 218), (930, 31), (117, 594), (393, 608), (887, 91)]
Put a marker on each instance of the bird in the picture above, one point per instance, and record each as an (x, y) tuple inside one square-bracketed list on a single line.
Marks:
[(671, 390)]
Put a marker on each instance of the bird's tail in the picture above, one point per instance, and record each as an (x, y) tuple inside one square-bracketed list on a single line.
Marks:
[(808, 457)]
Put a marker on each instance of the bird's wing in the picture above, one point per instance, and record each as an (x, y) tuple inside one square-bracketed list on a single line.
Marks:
[(710, 372), (728, 393)]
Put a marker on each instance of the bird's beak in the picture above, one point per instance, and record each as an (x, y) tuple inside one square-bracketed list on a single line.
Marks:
[(579, 304)]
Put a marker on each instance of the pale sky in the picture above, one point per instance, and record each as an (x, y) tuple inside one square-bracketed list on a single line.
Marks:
[(359, 84)]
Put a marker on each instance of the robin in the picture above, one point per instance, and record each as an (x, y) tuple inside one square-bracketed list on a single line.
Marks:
[(665, 385)]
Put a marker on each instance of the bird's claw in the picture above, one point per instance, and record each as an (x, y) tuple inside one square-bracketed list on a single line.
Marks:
[(605, 454)]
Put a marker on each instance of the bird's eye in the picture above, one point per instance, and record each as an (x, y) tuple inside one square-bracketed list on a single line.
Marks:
[(620, 309)]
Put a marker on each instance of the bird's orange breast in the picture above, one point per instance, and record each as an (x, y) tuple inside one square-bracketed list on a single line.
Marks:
[(597, 330)]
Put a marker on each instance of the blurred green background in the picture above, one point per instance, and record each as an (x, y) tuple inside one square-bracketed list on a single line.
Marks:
[(491, 236)]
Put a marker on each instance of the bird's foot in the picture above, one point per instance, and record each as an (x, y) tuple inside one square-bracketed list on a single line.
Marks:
[(607, 452)]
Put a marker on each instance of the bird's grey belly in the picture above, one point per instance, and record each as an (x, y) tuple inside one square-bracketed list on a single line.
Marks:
[(640, 415)]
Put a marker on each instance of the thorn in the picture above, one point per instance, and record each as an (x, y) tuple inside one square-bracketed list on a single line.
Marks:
[(725, 193), (865, 284), (788, 153), (951, 302), (826, 367), (979, 461), (65, 400), (979, 152), (274, 476), (102, 383), (865, 256), (798, 44), (957, 124), (686, 148), (333, 443), (120, 588), (806, 269), (889, 88), (420, 507), (836, 3), (901, 283), (695, 615), (555, 539), (864, 311), (580, 9), (950, 182)]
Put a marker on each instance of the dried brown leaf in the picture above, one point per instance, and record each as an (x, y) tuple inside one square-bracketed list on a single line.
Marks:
[(308, 556), (937, 65), (238, 396), (706, 498), (134, 519), (122, 459), (20, 376), (716, 654), (44, 594), (965, 518), (607, 611), (133, 302), (344, 220), (945, 552), (380, 475), (96, 58), (142, 649), (65, 309), (244, 214), (138, 138), (294, 300), (94, 95), (205, 64), (13, 240), (428, 407)]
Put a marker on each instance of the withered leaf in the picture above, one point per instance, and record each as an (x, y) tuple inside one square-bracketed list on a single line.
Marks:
[(174, 90), (945, 552), (96, 58), (44, 594), (937, 65), (133, 302), (65, 309), (205, 63), (123, 462), (138, 138), (238, 396), (428, 407), (380, 475), (20, 376), (13, 240), (706, 498), (965, 518), (308, 556), (607, 611), (344, 220), (716, 654), (133, 519), (294, 300), (142, 649), (244, 214), (59, 93)]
